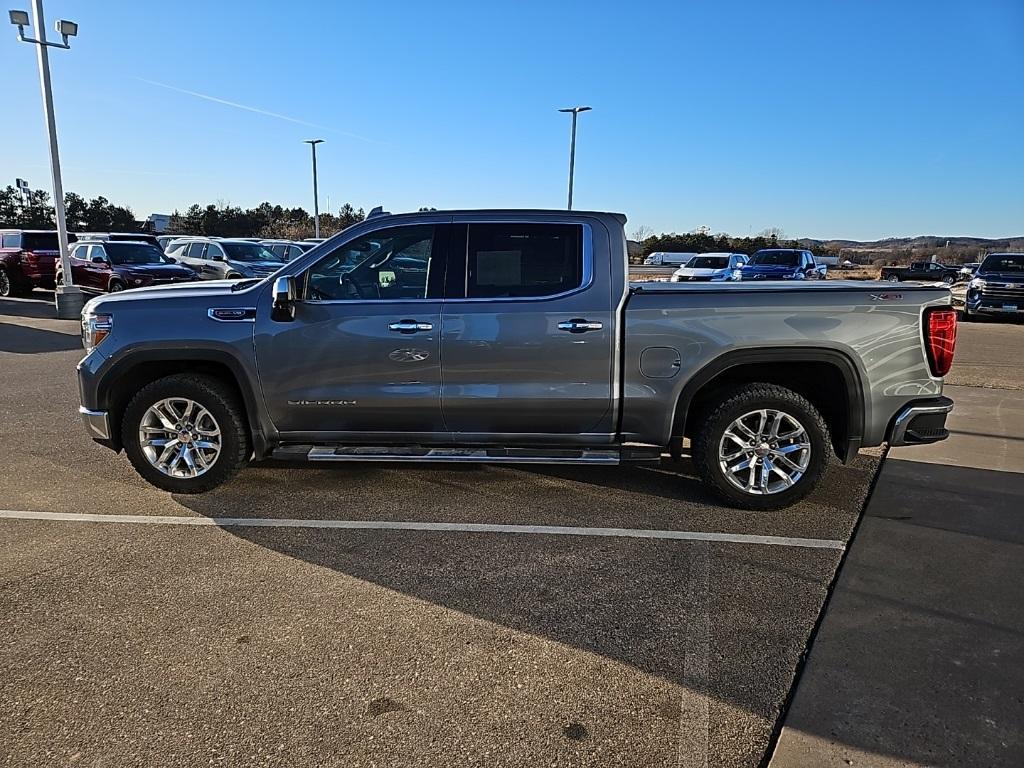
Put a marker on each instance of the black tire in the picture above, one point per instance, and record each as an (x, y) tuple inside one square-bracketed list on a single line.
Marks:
[(8, 287), (743, 400), (223, 405), (115, 286), (893, 278)]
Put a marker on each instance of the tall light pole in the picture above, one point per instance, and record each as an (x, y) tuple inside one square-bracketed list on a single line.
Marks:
[(68, 298), (572, 145), (316, 199)]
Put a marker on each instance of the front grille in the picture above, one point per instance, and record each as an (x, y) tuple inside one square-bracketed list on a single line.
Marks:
[(1003, 291)]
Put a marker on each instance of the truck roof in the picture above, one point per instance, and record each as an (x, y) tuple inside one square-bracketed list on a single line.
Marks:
[(620, 217)]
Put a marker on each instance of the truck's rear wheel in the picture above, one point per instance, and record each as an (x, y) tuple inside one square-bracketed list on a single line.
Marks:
[(893, 278), (764, 447), (186, 433)]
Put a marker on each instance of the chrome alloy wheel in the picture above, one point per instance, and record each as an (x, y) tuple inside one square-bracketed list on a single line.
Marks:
[(179, 437), (764, 452)]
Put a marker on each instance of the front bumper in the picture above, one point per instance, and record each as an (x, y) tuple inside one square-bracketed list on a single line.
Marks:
[(921, 423), (97, 423)]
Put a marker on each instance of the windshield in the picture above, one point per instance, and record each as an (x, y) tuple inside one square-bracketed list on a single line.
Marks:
[(249, 252), (708, 262), (776, 258), (134, 253), (1003, 262)]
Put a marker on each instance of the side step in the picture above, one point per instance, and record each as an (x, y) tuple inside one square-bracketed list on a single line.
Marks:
[(479, 455)]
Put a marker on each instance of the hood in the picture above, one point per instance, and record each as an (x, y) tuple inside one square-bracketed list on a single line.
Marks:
[(1015, 277), (768, 270), (205, 290), (700, 271), (153, 270), (261, 266)]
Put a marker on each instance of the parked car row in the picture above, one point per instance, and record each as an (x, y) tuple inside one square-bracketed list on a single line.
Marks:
[(766, 264), (104, 262)]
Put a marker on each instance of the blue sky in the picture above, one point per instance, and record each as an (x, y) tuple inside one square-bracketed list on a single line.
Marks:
[(828, 119)]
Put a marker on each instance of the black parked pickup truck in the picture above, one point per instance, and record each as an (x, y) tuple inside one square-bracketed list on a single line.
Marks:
[(927, 271)]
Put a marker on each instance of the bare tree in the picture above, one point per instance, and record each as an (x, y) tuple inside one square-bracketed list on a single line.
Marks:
[(641, 233)]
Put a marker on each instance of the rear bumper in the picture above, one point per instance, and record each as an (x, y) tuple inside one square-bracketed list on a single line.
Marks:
[(921, 422)]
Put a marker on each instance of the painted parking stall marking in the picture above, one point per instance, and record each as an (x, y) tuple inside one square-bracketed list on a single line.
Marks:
[(401, 525)]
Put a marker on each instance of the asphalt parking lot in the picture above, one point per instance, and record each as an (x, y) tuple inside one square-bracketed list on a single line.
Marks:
[(168, 643)]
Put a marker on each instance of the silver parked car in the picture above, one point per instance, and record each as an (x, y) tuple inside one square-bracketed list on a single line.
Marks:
[(218, 259)]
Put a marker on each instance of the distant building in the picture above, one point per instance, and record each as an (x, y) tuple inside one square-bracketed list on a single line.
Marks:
[(157, 223)]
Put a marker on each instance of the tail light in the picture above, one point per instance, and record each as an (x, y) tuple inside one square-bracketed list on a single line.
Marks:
[(28, 257), (940, 339)]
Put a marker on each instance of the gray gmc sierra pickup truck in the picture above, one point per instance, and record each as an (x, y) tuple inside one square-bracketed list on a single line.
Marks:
[(515, 337)]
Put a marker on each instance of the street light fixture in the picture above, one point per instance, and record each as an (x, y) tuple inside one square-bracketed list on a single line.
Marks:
[(316, 200), (572, 145), (68, 297)]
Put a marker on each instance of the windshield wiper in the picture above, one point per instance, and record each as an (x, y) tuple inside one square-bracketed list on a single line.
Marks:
[(242, 284)]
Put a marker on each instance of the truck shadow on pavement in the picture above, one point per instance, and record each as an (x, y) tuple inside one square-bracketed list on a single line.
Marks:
[(921, 654), (22, 340), (39, 306), (729, 622)]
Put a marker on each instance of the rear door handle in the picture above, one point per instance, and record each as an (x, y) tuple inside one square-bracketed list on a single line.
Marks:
[(410, 326), (578, 325)]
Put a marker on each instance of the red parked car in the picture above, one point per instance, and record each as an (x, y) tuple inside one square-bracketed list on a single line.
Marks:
[(102, 266), (28, 260)]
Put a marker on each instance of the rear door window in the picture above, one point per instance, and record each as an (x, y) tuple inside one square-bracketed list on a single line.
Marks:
[(195, 250), (506, 261)]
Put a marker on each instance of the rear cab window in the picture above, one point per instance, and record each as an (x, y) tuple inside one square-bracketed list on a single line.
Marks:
[(509, 261)]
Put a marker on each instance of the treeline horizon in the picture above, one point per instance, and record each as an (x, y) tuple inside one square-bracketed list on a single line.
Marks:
[(35, 211)]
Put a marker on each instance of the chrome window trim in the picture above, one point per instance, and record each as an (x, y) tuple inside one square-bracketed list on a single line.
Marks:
[(310, 257)]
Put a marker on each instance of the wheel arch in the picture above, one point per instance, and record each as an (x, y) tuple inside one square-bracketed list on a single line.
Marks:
[(828, 378), (128, 375)]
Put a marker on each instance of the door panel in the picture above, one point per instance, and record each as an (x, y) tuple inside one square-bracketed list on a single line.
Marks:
[(362, 355), (339, 367), (521, 365)]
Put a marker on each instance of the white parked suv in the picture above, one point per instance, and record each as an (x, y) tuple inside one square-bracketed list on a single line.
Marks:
[(710, 267)]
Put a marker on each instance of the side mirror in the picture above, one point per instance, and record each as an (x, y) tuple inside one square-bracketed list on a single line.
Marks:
[(284, 299), (99, 260)]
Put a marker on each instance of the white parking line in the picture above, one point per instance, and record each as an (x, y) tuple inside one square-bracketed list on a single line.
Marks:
[(393, 525)]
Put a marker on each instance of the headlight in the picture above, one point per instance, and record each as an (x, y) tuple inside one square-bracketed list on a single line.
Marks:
[(95, 328), (977, 283)]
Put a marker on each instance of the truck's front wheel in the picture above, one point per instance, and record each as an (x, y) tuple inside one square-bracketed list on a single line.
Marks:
[(764, 447), (186, 433)]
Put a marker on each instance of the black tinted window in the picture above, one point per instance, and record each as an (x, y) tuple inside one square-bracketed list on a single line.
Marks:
[(40, 241), (195, 250), (523, 260), (387, 264)]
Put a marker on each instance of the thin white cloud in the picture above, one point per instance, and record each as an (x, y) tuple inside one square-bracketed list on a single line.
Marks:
[(257, 110)]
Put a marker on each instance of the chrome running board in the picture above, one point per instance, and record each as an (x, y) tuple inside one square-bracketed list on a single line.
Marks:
[(427, 454)]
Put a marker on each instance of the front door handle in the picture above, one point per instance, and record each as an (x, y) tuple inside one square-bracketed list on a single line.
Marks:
[(578, 325), (410, 326)]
